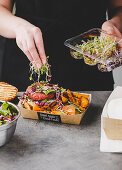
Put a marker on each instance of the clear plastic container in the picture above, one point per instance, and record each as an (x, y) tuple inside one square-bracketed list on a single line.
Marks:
[(97, 47)]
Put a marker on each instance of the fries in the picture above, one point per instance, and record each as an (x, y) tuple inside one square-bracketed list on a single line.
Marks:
[(84, 102), (79, 95), (69, 109), (70, 103), (64, 99), (71, 98), (79, 99), (27, 106)]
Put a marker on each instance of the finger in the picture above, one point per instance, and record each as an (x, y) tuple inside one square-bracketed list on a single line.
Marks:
[(32, 49), (109, 27), (19, 44), (114, 32), (25, 50), (39, 44), (27, 53), (23, 47)]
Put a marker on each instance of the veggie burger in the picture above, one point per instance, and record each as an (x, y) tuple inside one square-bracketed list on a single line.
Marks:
[(42, 93)]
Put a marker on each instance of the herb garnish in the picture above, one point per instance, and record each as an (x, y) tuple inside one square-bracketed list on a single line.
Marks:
[(96, 49), (45, 69)]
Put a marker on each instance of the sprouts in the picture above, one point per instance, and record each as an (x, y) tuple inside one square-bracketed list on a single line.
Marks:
[(102, 47), (44, 70), (102, 50)]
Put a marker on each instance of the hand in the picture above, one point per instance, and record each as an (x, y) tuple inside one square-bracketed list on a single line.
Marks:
[(111, 28), (29, 40)]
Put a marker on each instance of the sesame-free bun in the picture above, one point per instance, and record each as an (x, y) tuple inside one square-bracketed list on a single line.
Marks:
[(7, 91)]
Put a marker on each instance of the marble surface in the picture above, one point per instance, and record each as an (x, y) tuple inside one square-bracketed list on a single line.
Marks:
[(41, 145)]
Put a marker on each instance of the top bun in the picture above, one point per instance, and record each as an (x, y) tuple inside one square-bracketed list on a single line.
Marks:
[(7, 91)]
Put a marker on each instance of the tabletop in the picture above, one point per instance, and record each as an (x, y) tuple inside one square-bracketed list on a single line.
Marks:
[(43, 145)]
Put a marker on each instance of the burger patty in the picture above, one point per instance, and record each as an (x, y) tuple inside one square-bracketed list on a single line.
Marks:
[(38, 95)]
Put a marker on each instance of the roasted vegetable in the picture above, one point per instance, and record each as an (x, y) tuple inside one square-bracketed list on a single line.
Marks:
[(62, 102), (84, 102), (69, 109), (64, 99), (71, 98)]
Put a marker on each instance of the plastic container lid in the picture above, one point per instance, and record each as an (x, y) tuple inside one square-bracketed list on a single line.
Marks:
[(97, 47)]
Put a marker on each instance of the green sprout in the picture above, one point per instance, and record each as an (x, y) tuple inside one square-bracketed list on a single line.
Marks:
[(45, 69)]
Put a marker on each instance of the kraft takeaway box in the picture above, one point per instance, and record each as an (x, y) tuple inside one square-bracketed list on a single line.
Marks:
[(70, 119), (111, 128)]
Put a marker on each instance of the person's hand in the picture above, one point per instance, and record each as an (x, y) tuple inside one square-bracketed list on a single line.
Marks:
[(29, 40), (111, 28)]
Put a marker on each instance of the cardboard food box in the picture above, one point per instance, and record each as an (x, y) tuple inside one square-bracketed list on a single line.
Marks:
[(112, 127), (70, 119)]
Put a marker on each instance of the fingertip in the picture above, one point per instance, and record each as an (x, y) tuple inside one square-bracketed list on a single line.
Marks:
[(35, 66), (110, 30), (39, 65), (44, 61)]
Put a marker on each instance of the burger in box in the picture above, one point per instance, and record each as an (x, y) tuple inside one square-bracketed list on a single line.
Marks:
[(46, 101), (51, 102)]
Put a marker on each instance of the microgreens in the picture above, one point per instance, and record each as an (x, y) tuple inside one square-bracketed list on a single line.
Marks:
[(44, 70)]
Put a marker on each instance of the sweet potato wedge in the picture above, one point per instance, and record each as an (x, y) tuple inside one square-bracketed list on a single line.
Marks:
[(27, 106), (57, 105), (79, 95), (69, 109), (56, 112), (77, 101), (84, 102), (34, 106), (71, 98), (82, 108), (64, 99)]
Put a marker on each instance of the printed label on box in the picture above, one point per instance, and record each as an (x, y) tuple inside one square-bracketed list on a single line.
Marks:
[(49, 117)]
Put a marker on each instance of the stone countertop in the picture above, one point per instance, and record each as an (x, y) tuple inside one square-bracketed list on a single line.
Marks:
[(42, 145)]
